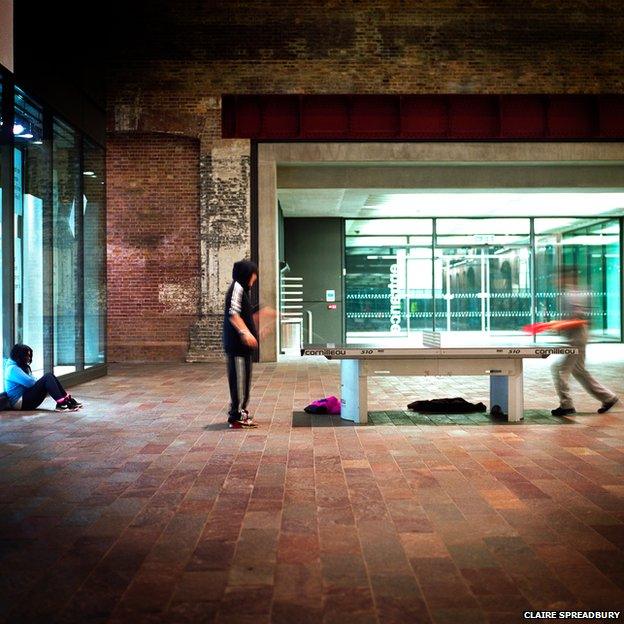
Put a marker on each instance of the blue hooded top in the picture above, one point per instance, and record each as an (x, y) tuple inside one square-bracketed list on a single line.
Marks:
[(16, 381)]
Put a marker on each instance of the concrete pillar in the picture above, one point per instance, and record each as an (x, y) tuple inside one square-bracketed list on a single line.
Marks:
[(268, 247)]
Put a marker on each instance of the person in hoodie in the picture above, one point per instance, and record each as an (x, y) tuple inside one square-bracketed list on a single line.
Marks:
[(240, 340), (27, 393)]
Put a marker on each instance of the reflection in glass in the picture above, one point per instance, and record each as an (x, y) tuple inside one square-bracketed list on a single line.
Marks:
[(94, 249), (66, 202), (482, 288), (31, 181), (1, 247)]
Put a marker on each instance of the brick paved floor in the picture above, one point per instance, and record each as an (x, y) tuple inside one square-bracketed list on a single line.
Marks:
[(145, 508)]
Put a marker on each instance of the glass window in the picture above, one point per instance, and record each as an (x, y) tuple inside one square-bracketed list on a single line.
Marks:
[(376, 241), (482, 227), (2, 312), (483, 287), (94, 232), (57, 238), (66, 205), (482, 239), (477, 277), (31, 179), (591, 249), (388, 227), (388, 279)]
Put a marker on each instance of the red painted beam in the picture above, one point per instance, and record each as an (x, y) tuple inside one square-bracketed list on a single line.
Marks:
[(423, 117)]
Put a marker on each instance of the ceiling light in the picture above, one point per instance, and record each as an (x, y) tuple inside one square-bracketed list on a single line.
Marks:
[(88, 173), (37, 142), (26, 135), (18, 129)]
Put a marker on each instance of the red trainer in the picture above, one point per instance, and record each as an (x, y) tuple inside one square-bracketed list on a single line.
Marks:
[(242, 424), (241, 420)]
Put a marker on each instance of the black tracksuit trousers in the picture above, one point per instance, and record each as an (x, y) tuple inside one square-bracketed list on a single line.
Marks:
[(239, 379)]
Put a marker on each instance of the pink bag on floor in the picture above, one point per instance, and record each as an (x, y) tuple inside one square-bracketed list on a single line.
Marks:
[(328, 405)]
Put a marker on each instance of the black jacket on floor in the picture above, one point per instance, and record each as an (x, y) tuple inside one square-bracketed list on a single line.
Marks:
[(237, 302), (456, 405)]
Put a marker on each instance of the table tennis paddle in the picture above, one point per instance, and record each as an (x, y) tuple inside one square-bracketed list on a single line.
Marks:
[(538, 328)]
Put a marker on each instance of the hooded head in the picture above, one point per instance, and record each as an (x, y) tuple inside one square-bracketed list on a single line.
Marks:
[(22, 354), (242, 272)]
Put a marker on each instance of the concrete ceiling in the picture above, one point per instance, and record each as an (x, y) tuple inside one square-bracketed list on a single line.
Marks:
[(370, 190), (371, 203)]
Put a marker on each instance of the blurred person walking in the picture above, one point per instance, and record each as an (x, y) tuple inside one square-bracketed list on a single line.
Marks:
[(574, 307)]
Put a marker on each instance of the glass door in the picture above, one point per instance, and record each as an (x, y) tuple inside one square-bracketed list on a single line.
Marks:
[(482, 276), (483, 288), (418, 286), (508, 294), (460, 291)]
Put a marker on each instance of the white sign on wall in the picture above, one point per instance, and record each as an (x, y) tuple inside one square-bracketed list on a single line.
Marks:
[(395, 299), (396, 286)]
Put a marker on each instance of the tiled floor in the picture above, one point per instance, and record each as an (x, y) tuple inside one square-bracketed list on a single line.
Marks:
[(144, 507)]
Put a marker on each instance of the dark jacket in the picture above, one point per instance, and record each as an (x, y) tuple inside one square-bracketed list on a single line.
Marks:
[(237, 302)]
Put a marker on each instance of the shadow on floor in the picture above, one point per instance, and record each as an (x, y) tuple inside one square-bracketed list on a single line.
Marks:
[(303, 419), (406, 418), (218, 426)]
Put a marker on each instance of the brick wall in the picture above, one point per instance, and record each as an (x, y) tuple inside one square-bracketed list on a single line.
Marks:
[(171, 61), (371, 46), (152, 246)]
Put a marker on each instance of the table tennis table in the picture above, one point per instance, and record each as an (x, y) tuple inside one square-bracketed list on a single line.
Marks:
[(503, 365)]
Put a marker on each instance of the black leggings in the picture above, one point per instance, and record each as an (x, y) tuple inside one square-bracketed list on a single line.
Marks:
[(239, 379), (33, 397)]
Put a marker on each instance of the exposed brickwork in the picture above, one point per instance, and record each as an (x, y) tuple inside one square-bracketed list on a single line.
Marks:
[(169, 74), (442, 46), (205, 339), (225, 236), (225, 218), (153, 246)]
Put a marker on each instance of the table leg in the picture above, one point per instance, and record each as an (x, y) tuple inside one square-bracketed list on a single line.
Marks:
[(507, 391), (353, 391), (516, 398), (499, 392)]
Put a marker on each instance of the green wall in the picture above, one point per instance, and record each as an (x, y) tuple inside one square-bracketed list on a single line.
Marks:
[(313, 249)]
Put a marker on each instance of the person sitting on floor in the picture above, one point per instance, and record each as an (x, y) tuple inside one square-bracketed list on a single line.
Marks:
[(27, 393)]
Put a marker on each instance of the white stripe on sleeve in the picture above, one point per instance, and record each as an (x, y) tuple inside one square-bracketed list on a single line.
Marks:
[(237, 296)]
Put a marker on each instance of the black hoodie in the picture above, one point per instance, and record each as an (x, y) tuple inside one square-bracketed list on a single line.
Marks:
[(237, 302)]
